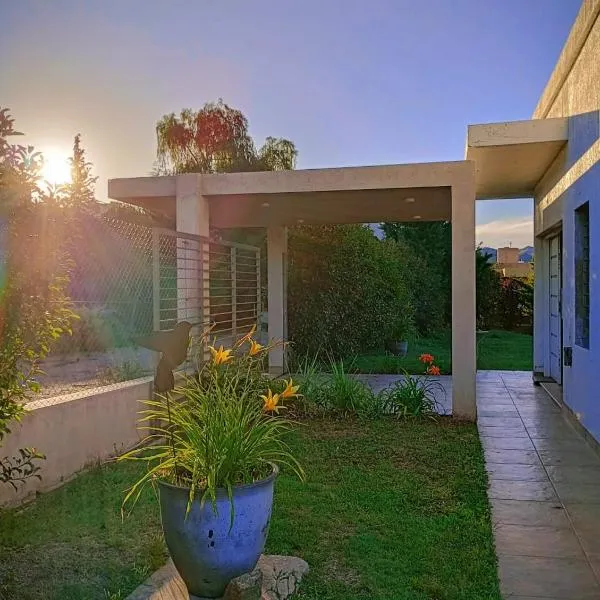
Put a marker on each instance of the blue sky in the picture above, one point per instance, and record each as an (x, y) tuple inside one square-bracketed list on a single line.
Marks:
[(350, 82)]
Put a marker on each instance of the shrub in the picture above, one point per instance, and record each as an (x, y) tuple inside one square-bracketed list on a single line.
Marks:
[(94, 330), (346, 290)]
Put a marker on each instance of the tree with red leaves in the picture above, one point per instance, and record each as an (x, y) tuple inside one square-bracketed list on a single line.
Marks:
[(215, 139)]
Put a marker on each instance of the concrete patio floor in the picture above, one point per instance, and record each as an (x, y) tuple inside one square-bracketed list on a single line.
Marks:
[(544, 491), (544, 488)]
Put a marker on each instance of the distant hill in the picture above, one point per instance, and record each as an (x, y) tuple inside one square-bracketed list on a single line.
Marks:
[(526, 254), (491, 252)]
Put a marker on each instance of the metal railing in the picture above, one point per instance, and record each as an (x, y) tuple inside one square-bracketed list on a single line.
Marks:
[(130, 279), (206, 282)]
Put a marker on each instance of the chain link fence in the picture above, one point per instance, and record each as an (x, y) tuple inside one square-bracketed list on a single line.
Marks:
[(131, 279)]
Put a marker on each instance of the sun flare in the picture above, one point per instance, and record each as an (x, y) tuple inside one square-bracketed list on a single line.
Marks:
[(56, 169)]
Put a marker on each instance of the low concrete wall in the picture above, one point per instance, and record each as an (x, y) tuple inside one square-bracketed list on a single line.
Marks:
[(74, 431)]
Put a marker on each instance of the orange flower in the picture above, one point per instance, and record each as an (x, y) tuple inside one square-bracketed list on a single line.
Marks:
[(426, 358), (220, 356), (255, 348), (271, 402), (291, 390), (433, 370)]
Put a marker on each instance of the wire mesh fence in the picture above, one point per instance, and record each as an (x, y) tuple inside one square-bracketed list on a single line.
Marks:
[(131, 279)]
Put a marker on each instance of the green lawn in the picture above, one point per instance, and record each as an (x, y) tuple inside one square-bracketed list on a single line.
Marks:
[(390, 510), (503, 350)]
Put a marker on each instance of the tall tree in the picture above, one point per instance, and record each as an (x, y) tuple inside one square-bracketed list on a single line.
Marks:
[(34, 274), (80, 191), (215, 139)]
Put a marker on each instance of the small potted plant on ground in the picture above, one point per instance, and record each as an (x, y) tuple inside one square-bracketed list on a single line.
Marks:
[(400, 331), (214, 461)]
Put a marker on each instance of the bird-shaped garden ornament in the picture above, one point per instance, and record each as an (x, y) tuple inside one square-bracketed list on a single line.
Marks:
[(173, 346)]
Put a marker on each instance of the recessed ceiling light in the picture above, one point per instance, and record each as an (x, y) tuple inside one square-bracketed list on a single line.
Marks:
[(417, 217), (265, 205), (409, 200)]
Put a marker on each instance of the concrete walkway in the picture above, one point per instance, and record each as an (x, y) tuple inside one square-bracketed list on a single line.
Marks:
[(544, 491)]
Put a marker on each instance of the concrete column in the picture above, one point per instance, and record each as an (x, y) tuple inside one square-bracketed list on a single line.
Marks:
[(277, 313), (464, 366), (192, 217), (540, 308)]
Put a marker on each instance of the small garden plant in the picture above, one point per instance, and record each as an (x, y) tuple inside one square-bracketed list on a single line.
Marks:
[(337, 390)]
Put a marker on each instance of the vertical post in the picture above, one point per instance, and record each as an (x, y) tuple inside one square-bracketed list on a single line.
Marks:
[(155, 280), (233, 295), (276, 250), (540, 309), (464, 366), (258, 299), (192, 217)]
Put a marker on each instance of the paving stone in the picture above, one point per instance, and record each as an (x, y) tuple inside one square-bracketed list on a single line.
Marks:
[(521, 490), (507, 443), (551, 542), (574, 474), (501, 432), (275, 578), (514, 472), (529, 512), (517, 457), (561, 456), (578, 493), (586, 522), (570, 579), (500, 421)]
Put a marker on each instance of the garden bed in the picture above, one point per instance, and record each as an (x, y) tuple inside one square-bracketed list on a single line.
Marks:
[(390, 509)]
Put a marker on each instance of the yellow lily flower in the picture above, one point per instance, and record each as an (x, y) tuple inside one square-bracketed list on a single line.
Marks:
[(255, 348), (220, 356), (291, 390), (271, 402)]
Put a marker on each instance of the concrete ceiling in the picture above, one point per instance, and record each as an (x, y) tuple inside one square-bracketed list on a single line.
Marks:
[(357, 206), (410, 192), (510, 158)]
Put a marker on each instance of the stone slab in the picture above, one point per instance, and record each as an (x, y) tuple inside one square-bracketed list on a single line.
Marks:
[(275, 578)]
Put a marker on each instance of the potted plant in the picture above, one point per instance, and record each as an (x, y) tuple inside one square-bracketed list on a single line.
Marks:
[(214, 460), (400, 331)]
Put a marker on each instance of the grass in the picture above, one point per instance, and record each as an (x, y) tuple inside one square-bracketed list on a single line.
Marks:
[(502, 350), (391, 510)]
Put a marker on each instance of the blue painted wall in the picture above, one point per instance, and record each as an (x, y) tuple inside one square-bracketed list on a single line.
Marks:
[(581, 381)]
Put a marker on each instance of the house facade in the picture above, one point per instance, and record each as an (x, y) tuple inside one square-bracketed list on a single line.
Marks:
[(567, 227)]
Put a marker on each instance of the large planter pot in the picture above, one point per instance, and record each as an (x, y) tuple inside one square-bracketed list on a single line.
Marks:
[(398, 348), (205, 551)]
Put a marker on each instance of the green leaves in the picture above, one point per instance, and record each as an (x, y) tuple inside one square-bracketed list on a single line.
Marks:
[(35, 309), (215, 139), (348, 291), (18, 469), (212, 433)]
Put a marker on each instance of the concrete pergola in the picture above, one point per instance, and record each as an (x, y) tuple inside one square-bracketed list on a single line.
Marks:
[(504, 160)]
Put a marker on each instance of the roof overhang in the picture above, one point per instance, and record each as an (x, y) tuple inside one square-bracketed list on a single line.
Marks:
[(420, 191), (510, 158)]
